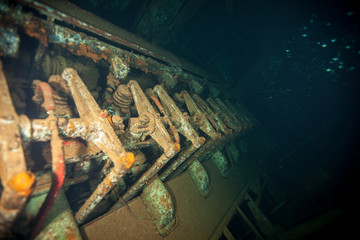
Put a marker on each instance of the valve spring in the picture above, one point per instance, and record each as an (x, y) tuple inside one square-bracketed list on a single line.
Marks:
[(122, 97)]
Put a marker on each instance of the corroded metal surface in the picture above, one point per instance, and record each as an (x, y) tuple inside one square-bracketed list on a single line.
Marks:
[(159, 204), (9, 42), (104, 138), (215, 120), (89, 22), (16, 181), (58, 172), (200, 178), (102, 189), (176, 116), (97, 142), (143, 180), (165, 117), (60, 223), (95, 121), (221, 163), (198, 117), (183, 156), (155, 127)]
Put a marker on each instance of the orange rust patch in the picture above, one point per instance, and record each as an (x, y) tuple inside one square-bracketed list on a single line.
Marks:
[(87, 51), (128, 160), (177, 147), (22, 182), (108, 182), (72, 126), (33, 29), (141, 64)]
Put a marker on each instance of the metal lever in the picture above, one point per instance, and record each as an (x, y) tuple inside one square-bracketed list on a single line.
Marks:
[(175, 115), (96, 122), (194, 110), (207, 110), (103, 135), (145, 110)]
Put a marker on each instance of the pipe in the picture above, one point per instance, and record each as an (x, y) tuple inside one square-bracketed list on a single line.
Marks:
[(58, 172), (143, 180), (100, 192), (182, 157), (44, 92)]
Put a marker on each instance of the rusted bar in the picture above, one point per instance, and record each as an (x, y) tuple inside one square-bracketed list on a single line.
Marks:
[(205, 152), (200, 118), (142, 181), (100, 192), (105, 138), (148, 115), (177, 162), (161, 109), (182, 125), (209, 113), (44, 93), (176, 116), (80, 44), (226, 119), (38, 129), (16, 181), (95, 121), (58, 174), (203, 149)]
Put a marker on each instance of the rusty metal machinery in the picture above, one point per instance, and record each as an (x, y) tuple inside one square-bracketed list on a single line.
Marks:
[(103, 125)]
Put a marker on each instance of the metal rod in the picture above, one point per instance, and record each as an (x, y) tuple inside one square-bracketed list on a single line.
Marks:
[(16, 181), (58, 171), (100, 192), (142, 181), (182, 157)]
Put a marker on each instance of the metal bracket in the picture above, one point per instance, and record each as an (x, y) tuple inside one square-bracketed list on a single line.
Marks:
[(221, 163), (159, 205), (200, 177)]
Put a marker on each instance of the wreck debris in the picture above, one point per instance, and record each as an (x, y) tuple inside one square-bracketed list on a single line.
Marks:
[(58, 171), (221, 163), (17, 182), (92, 136)]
